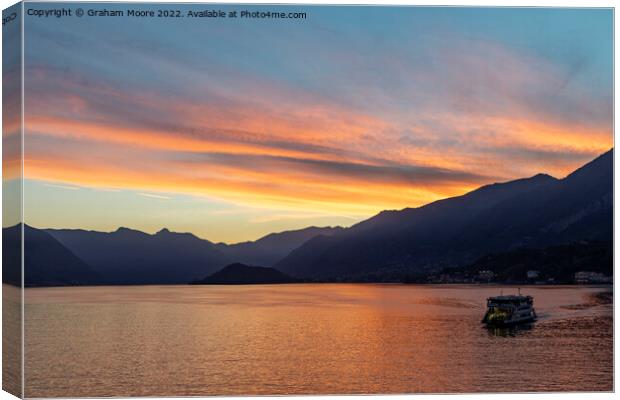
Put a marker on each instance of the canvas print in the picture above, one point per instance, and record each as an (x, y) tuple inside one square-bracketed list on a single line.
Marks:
[(229, 199)]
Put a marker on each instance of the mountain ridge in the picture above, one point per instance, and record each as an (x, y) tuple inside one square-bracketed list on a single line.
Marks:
[(129, 256), (48, 262), (458, 229), (530, 212), (241, 274)]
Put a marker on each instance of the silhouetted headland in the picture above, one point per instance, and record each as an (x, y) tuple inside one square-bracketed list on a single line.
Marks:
[(241, 274)]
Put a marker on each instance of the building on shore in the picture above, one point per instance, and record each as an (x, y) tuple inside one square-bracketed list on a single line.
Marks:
[(486, 275), (586, 277), (532, 274)]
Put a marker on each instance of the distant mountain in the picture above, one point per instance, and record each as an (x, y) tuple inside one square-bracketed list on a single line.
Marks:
[(47, 262), (11, 255), (241, 274), (533, 212), (527, 213), (270, 249), (128, 256)]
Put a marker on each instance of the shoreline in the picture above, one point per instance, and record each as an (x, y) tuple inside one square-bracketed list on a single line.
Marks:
[(518, 285)]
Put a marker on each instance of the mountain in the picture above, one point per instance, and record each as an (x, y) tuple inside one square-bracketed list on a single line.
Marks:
[(558, 262), (11, 255), (272, 248), (128, 256), (533, 212), (47, 262), (241, 274)]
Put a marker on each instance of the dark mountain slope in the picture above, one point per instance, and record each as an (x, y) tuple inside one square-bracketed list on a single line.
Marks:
[(241, 274), (579, 206), (452, 209), (47, 262), (529, 212), (272, 248), (558, 262), (11, 255), (387, 238), (128, 256)]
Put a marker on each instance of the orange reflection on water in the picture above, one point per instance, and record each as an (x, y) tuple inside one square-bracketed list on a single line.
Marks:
[(307, 339)]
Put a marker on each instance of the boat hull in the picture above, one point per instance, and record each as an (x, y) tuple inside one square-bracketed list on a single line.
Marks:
[(503, 324), (509, 310)]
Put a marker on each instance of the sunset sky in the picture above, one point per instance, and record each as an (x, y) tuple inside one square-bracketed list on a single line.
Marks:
[(232, 129)]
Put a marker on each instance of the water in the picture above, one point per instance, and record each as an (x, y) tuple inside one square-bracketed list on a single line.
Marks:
[(310, 339)]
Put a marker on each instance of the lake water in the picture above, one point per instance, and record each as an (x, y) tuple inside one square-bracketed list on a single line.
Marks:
[(310, 339)]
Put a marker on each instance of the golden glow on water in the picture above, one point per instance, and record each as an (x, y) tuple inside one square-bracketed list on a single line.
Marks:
[(12, 340), (304, 339)]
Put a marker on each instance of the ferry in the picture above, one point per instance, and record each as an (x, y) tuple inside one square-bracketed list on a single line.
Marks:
[(509, 310)]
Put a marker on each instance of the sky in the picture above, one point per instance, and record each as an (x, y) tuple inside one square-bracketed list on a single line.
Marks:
[(235, 128)]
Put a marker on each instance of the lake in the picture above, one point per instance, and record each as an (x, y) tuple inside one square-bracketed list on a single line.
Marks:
[(310, 339)]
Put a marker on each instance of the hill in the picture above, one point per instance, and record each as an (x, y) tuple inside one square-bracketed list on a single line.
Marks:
[(527, 213), (241, 274), (128, 256), (47, 262), (559, 263), (271, 248)]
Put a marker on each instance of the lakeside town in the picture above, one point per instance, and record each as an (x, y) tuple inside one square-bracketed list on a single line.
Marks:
[(532, 277)]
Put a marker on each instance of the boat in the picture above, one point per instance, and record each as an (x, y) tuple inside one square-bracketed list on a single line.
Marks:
[(509, 310)]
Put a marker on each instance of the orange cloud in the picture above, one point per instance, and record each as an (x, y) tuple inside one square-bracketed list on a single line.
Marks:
[(292, 149), (268, 189)]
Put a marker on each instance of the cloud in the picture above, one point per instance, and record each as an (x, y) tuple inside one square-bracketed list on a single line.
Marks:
[(267, 219), (154, 196), (354, 128), (388, 172), (108, 190), (65, 187)]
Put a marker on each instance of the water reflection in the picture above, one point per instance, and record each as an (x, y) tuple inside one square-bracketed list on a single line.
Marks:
[(509, 331), (307, 339)]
